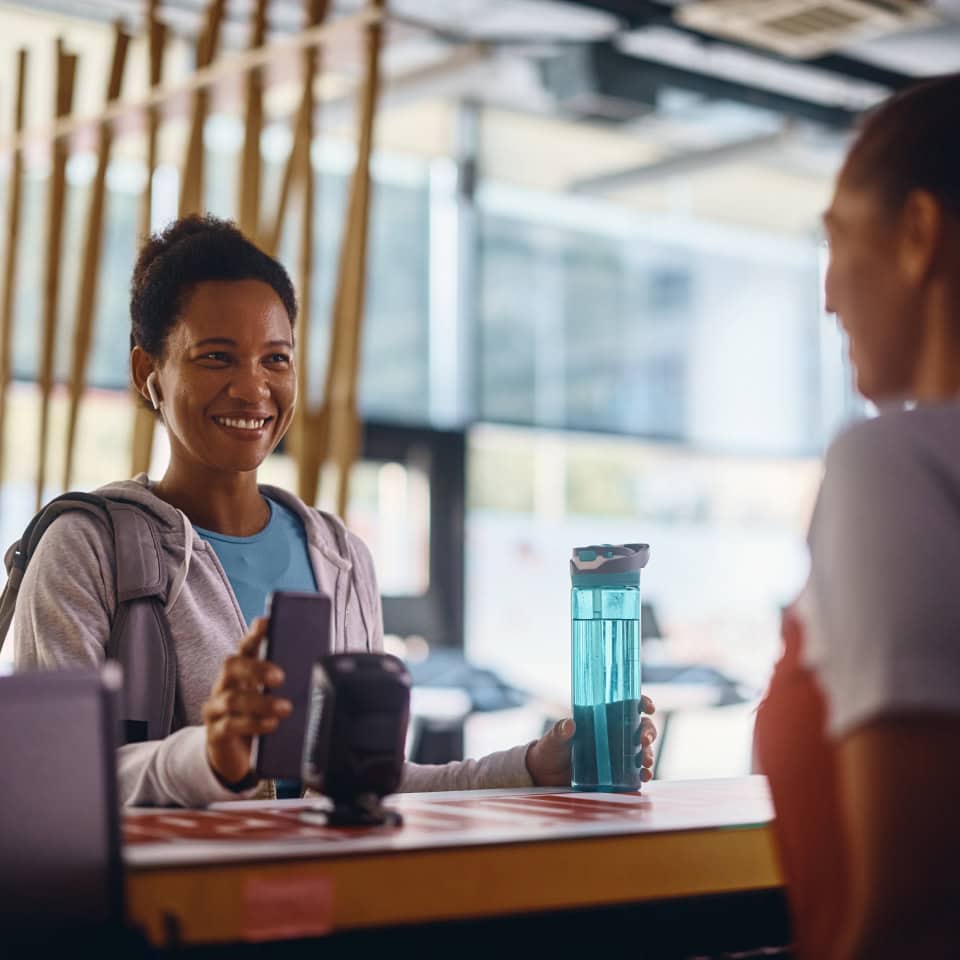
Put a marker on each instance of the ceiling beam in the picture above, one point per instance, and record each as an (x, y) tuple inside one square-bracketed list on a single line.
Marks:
[(683, 164), (628, 74), (637, 14)]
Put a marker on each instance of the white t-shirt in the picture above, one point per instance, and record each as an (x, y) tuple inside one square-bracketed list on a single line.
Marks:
[(882, 606)]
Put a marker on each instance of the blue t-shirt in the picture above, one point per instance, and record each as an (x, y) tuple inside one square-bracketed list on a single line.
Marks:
[(276, 558)]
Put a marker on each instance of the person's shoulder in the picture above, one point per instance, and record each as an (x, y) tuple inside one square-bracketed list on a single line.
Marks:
[(76, 547), (138, 492), (893, 465), (75, 528), (894, 447), (877, 438), (74, 532)]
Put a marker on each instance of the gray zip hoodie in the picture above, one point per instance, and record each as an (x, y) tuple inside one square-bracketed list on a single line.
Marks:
[(67, 602)]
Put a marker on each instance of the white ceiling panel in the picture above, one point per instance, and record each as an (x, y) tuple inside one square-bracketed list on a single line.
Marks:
[(922, 53)]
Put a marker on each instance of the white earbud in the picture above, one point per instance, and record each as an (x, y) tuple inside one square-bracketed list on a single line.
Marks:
[(152, 391)]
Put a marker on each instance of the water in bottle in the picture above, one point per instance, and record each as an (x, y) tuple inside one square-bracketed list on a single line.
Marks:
[(605, 663)]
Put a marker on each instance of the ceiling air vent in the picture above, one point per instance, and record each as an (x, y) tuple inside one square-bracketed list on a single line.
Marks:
[(596, 82), (803, 28)]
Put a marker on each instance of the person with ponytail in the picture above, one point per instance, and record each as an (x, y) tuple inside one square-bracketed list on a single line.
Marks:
[(859, 732)]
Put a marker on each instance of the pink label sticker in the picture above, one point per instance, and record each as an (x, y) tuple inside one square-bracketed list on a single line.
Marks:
[(285, 908)]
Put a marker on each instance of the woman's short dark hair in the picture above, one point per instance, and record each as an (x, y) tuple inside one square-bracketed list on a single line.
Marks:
[(912, 142), (190, 251)]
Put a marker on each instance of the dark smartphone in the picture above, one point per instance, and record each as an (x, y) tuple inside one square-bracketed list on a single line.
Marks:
[(298, 635)]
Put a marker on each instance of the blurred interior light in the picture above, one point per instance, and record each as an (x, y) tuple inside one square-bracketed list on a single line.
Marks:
[(165, 194), (223, 133), (417, 649), (333, 156), (81, 168), (126, 176), (276, 142), (394, 645)]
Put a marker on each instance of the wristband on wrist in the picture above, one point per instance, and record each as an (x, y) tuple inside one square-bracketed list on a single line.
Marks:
[(247, 782)]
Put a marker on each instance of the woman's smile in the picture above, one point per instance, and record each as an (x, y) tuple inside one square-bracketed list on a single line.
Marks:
[(244, 426)]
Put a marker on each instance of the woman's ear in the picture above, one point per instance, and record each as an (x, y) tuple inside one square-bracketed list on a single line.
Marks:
[(144, 376), (922, 232)]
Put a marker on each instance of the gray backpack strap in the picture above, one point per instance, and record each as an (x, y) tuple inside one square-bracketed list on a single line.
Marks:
[(140, 636), (139, 559), (8, 598)]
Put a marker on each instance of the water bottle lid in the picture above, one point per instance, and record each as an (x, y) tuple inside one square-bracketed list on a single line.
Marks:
[(605, 559)]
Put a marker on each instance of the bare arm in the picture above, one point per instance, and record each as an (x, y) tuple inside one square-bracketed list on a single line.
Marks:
[(903, 838)]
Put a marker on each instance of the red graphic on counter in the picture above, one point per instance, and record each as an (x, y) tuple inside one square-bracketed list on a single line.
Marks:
[(432, 816), (286, 908)]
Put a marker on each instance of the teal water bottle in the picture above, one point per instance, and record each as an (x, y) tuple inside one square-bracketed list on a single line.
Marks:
[(605, 661)]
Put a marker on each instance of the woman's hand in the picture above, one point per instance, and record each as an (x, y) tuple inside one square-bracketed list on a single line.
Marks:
[(238, 710), (548, 759)]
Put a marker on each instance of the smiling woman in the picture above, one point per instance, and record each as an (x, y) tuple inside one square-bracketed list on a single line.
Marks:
[(226, 401), (212, 351), (212, 335)]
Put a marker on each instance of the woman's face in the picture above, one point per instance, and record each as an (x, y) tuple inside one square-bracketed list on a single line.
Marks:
[(228, 381), (873, 289)]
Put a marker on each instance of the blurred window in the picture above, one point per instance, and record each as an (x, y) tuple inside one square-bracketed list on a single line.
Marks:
[(606, 326)]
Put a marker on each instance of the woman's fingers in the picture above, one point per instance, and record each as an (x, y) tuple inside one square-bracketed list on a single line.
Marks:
[(648, 731), (245, 670), (645, 736), (250, 645), (647, 705), (229, 726), (243, 673), (238, 708), (243, 703)]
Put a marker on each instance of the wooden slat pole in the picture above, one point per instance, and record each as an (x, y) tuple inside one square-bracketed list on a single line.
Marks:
[(144, 421), (66, 74), (90, 264), (191, 190), (298, 161), (10, 260), (342, 423), (156, 47), (248, 202), (270, 236), (316, 11)]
